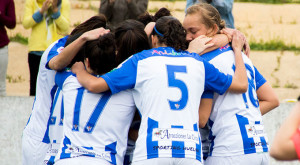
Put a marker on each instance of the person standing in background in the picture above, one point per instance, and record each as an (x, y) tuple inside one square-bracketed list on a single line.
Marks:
[(7, 19), (224, 7), (117, 11), (49, 21)]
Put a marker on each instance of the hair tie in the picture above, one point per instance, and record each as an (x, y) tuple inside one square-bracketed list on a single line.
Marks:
[(158, 32)]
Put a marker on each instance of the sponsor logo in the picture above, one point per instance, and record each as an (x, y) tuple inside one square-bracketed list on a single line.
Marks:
[(175, 134)]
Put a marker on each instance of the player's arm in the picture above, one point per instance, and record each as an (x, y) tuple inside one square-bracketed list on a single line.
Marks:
[(65, 57), (239, 82), (267, 97), (204, 111), (283, 147), (91, 83), (218, 40)]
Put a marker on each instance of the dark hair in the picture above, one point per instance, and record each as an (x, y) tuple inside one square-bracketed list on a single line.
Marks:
[(146, 17), (130, 39), (173, 33), (90, 24), (101, 53)]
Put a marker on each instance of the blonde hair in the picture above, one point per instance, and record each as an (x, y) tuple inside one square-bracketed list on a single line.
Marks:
[(209, 15)]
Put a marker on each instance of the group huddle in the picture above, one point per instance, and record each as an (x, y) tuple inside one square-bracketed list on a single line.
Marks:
[(150, 92)]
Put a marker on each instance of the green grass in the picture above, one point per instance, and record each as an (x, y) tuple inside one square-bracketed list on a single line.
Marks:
[(19, 38), (290, 85), (12, 79), (273, 45)]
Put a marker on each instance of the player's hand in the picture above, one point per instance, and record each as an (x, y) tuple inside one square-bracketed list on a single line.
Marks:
[(94, 34), (111, 1), (54, 6), (45, 6), (238, 41), (77, 67), (199, 44), (229, 32)]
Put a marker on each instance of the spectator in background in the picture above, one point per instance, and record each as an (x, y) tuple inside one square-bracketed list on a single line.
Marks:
[(7, 19), (49, 21), (223, 6), (286, 144), (117, 11)]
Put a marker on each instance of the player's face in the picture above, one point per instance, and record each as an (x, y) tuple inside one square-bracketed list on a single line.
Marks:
[(194, 27)]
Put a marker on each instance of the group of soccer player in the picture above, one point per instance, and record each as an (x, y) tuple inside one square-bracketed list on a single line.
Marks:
[(181, 79)]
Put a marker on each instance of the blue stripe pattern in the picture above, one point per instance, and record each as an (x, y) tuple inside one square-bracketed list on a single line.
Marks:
[(63, 154), (97, 112), (198, 146), (113, 151), (248, 149), (264, 144), (178, 151), (150, 145), (77, 109), (62, 110), (46, 138)]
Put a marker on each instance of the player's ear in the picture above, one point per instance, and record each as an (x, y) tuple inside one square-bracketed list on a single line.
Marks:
[(154, 40), (87, 63)]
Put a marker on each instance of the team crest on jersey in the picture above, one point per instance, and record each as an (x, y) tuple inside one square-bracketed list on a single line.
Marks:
[(60, 49)]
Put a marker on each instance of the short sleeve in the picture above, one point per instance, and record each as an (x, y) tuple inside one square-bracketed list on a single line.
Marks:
[(296, 141), (122, 78), (215, 80), (56, 49), (60, 78), (259, 79), (207, 95)]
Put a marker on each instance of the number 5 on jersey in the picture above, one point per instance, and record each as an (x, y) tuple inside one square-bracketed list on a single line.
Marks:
[(173, 82)]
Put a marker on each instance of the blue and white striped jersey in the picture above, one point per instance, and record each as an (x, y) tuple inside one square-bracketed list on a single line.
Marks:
[(95, 125), (236, 121), (167, 87), (45, 122)]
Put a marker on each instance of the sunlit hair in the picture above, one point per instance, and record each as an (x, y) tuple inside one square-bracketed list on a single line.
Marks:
[(146, 17), (171, 33), (209, 15), (90, 24)]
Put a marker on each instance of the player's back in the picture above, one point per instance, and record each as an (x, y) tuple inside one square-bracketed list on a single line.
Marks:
[(167, 93), (95, 125), (236, 121), (167, 87)]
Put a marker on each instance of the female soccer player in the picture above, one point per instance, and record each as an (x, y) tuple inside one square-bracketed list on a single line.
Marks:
[(237, 133), (95, 125), (167, 84), (43, 132)]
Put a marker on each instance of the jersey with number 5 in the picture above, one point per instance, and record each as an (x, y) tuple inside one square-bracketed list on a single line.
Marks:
[(167, 87), (95, 125), (236, 121)]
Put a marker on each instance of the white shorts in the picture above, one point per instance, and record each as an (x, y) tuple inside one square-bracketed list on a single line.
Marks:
[(82, 160), (248, 159), (168, 161), (33, 151)]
